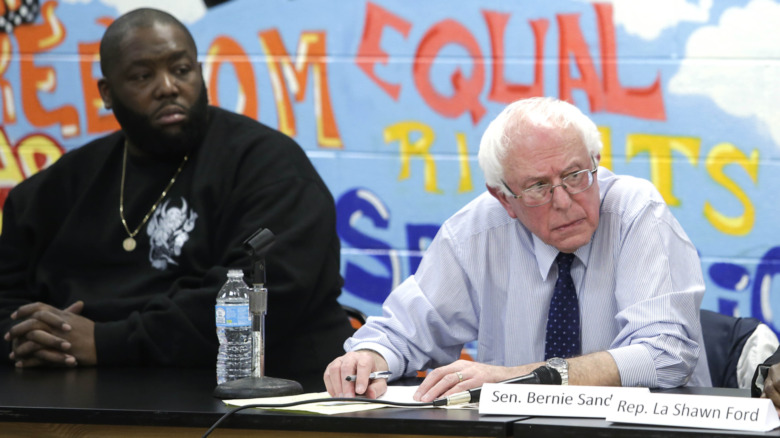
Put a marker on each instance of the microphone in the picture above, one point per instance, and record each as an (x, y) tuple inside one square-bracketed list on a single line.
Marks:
[(543, 375)]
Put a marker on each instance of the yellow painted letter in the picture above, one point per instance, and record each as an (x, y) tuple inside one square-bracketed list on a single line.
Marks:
[(402, 133), (721, 156), (660, 148)]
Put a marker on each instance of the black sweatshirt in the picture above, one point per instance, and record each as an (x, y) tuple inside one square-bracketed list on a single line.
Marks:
[(62, 242)]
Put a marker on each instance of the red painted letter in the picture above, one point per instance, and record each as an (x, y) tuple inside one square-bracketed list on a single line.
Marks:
[(572, 43), (500, 90), (647, 102), (466, 96), (370, 52)]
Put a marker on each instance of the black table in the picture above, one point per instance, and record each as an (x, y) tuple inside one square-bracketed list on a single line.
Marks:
[(591, 427), (120, 402), (178, 402)]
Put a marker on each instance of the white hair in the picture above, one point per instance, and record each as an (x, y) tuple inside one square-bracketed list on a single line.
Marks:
[(514, 122)]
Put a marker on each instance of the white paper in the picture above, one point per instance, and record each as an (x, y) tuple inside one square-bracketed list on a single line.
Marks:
[(402, 394)]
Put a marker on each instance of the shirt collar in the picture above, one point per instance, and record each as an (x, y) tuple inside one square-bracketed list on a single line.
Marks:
[(546, 254)]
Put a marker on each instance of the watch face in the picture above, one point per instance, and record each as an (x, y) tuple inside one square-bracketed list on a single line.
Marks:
[(562, 367), (557, 362)]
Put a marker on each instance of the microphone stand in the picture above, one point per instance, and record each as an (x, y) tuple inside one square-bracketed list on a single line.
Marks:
[(258, 384)]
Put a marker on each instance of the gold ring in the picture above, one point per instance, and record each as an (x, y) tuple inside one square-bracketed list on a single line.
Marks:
[(460, 376)]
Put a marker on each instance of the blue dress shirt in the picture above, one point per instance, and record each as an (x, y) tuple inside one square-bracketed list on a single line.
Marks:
[(485, 277)]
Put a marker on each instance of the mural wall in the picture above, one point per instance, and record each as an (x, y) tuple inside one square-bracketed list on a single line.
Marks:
[(390, 98)]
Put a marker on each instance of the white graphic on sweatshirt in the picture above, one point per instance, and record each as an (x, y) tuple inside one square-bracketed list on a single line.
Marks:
[(168, 230)]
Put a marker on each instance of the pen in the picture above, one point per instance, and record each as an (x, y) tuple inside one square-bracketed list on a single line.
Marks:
[(373, 376)]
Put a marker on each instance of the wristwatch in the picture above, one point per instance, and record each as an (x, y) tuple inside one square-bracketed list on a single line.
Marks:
[(562, 367)]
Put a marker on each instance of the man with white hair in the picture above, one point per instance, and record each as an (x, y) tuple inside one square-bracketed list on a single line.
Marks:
[(560, 262)]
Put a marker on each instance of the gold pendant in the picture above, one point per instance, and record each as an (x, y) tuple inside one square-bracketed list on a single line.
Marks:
[(128, 244)]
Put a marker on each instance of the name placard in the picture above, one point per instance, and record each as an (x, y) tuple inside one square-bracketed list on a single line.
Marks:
[(554, 401), (702, 411)]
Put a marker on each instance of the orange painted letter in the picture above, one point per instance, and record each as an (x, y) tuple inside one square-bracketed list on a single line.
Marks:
[(89, 57), (34, 39), (311, 52), (6, 92), (225, 49)]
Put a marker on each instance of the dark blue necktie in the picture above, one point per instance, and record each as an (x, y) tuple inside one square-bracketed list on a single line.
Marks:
[(563, 322)]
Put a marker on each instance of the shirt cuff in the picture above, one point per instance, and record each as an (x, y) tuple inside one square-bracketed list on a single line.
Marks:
[(111, 347), (757, 386), (394, 364), (635, 365)]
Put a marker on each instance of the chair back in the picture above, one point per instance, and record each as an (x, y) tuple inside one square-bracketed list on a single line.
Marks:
[(724, 340), (356, 317)]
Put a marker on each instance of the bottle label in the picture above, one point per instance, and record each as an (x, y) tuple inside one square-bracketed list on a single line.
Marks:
[(233, 316)]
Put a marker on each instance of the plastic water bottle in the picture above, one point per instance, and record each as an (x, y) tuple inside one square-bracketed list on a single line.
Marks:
[(234, 329)]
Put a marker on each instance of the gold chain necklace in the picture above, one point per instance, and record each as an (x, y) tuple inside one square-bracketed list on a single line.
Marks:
[(129, 243)]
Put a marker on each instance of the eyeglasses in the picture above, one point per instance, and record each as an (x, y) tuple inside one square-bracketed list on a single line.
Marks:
[(540, 194)]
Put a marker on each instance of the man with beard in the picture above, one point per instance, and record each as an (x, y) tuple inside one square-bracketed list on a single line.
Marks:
[(83, 282)]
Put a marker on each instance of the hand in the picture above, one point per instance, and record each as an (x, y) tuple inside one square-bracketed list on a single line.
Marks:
[(49, 336), (772, 386), (359, 363), (33, 340), (446, 380)]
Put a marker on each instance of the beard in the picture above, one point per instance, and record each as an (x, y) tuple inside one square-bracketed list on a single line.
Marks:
[(156, 142)]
